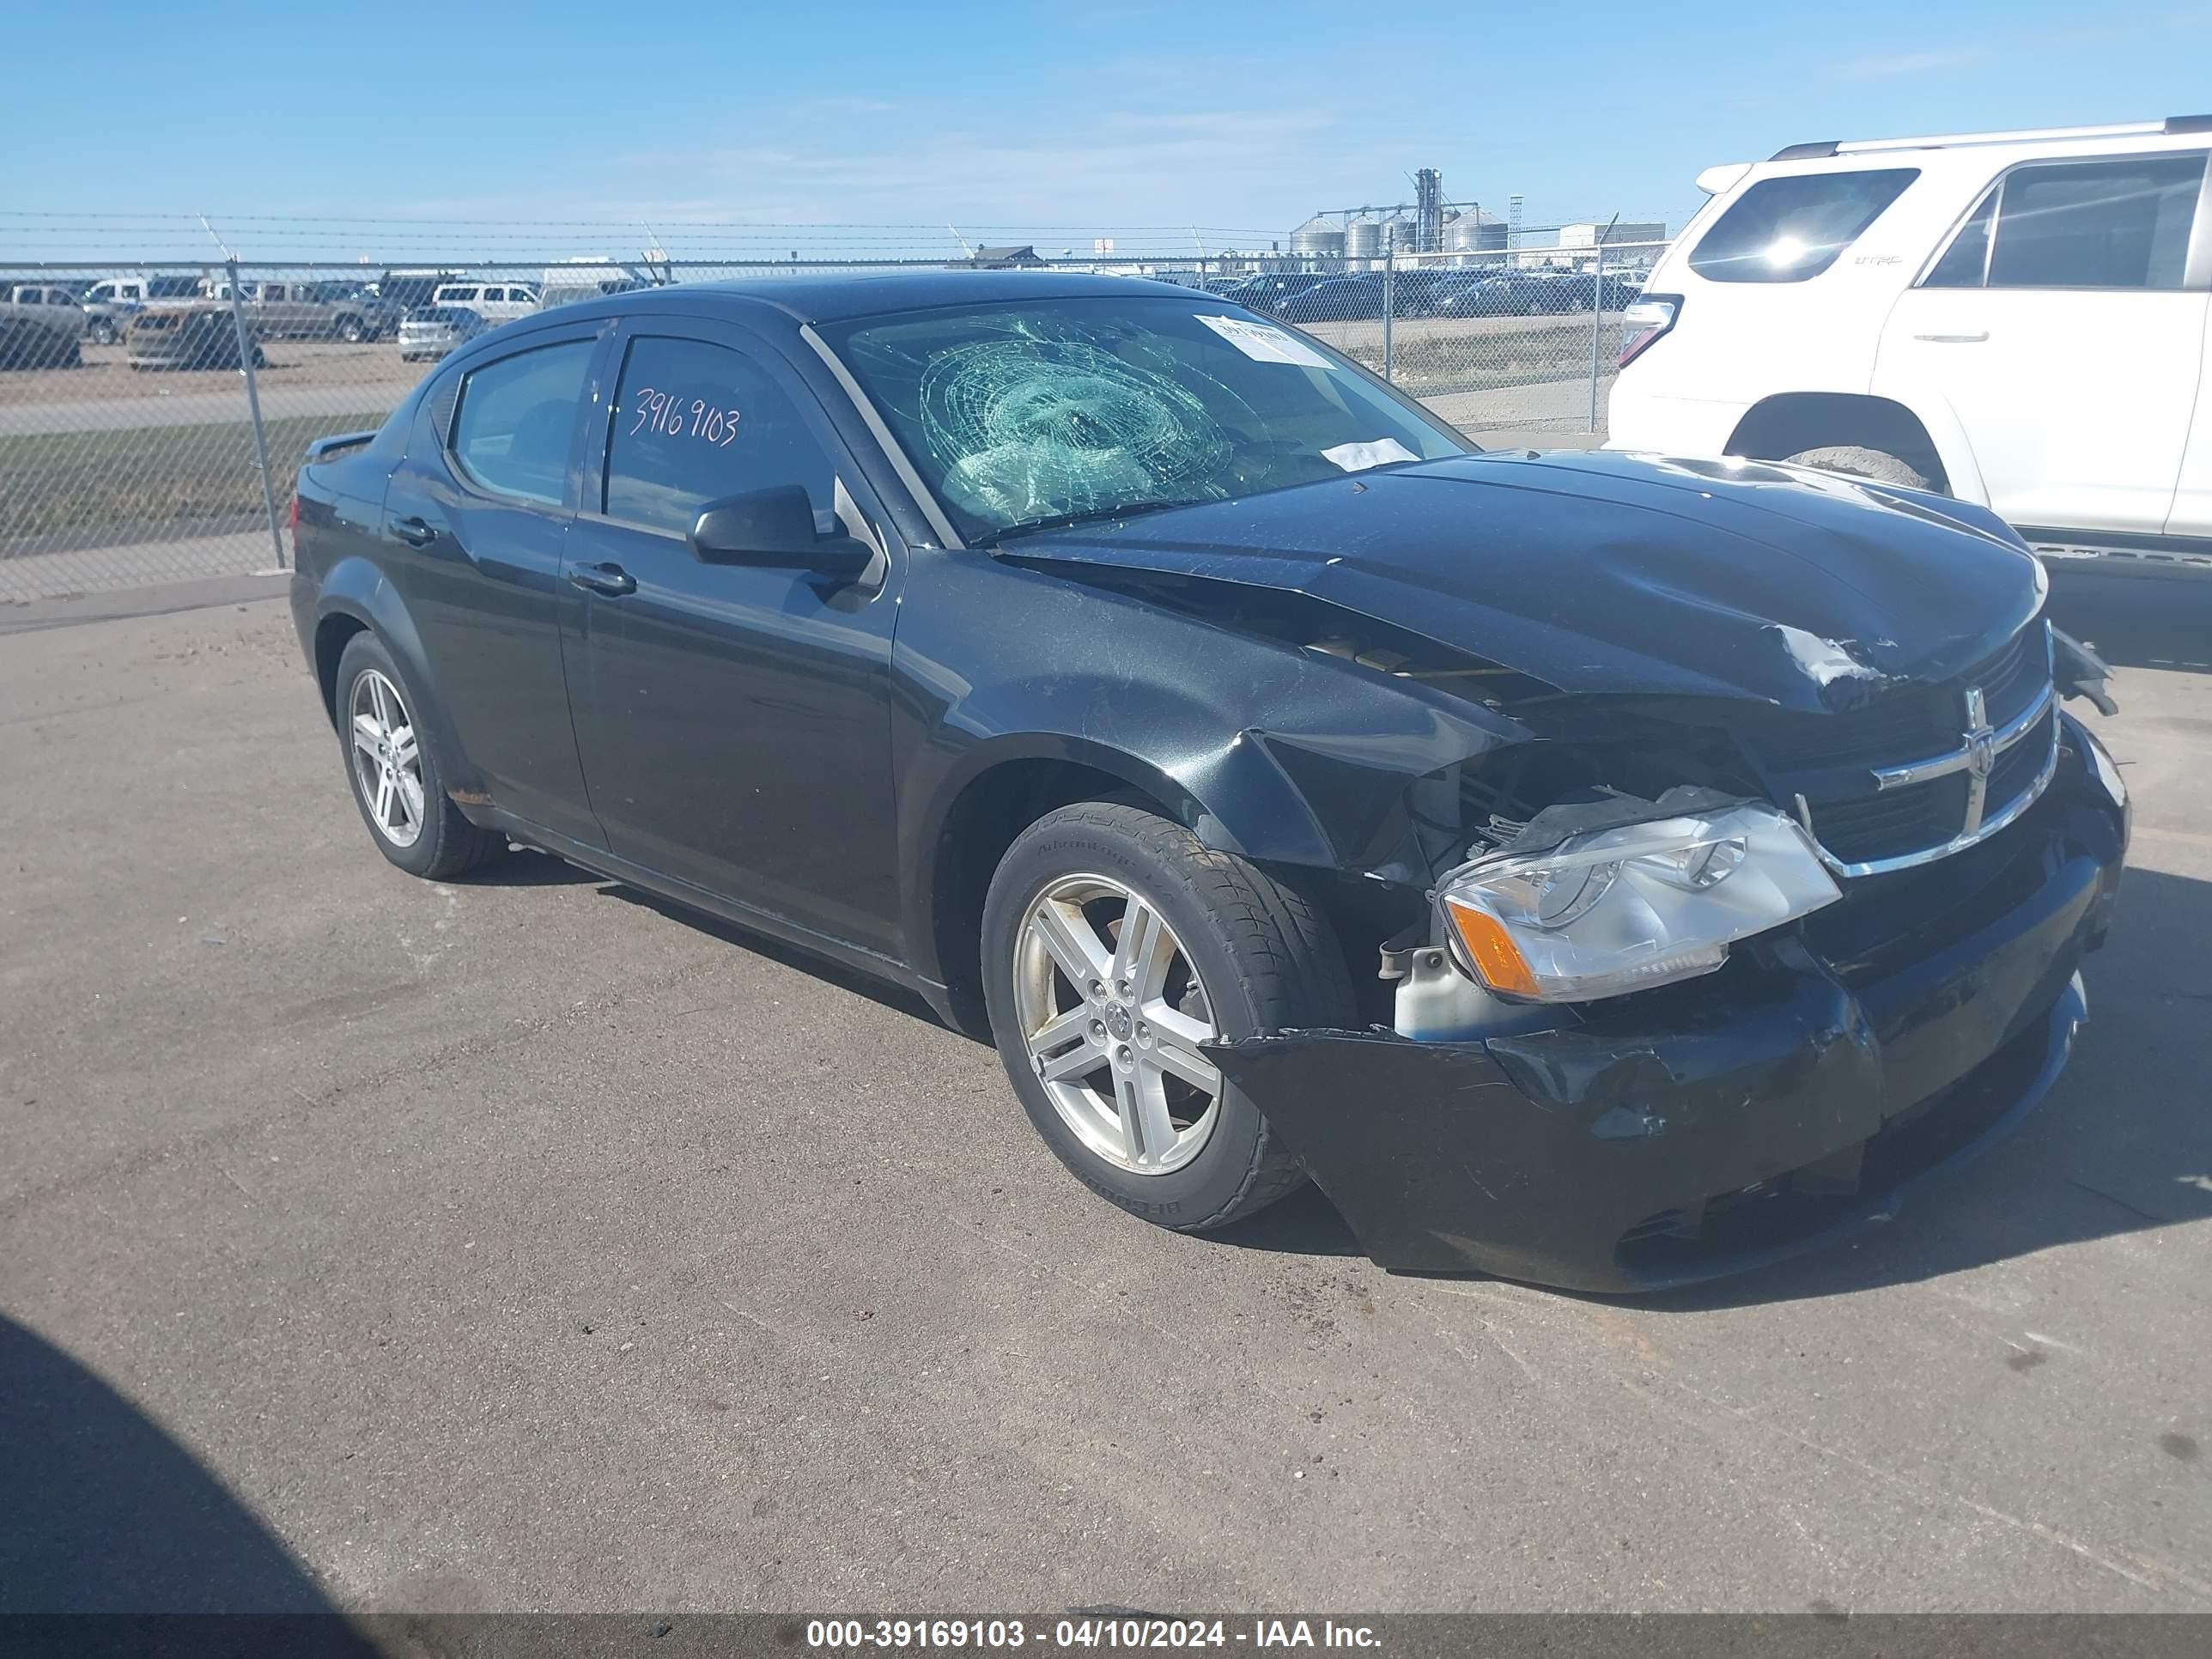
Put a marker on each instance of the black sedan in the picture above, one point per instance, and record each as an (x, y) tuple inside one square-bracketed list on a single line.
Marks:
[(1602, 871)]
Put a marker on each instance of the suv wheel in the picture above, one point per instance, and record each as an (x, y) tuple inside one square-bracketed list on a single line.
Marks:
[(350, 330), (102, 333), (1878, 465), (1114, 943), (393, 769)]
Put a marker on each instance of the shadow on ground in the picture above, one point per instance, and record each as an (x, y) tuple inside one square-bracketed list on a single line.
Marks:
[(105, 1513)]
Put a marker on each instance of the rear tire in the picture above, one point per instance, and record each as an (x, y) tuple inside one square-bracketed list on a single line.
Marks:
[(1239, 954), (393, 769), (1878, 465)]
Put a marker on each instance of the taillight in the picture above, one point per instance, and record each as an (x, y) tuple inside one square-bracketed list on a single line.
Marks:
[(1643, 322), (292, 519)]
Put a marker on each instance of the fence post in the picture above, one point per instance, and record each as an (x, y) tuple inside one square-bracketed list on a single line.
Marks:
[(1389, 305), (1597, 330), (254, 411)]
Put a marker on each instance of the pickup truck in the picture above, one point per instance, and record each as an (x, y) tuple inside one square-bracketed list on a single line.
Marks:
[(110, 302), (309, 310), (40, 326)]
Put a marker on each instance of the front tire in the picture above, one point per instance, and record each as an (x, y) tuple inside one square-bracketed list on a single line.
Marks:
[(1878, 465), (392, 766), (1113, 944)]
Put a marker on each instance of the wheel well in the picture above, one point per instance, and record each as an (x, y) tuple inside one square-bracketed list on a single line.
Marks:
[(996, 806), (1781, 426), (332, 635)]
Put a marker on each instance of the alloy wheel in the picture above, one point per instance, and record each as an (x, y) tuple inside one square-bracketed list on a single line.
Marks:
[(1112, 1012), (387, 758)]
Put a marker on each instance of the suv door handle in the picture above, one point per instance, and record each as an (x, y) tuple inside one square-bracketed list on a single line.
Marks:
[(1953, 340), (415, 533), (609, 579)]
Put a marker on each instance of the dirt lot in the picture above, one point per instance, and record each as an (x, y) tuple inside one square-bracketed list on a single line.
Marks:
[(519, 1243), (105, 375)]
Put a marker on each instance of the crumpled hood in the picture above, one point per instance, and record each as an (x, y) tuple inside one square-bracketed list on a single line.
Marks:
[(1601, 572)]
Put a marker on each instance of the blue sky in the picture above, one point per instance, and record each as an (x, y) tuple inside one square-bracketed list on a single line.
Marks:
[(1245, 116)]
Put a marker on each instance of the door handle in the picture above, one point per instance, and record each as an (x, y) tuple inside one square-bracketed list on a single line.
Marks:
[(414, 531), (1953, 340), (609, 579)]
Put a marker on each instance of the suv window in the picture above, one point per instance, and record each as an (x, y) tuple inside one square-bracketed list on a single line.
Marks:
[(2096, 224), (1966, 258), (693, 423), (1785, 230), (511, 429)]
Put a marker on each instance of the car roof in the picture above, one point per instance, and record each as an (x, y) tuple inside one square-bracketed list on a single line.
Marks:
[(843, 298)]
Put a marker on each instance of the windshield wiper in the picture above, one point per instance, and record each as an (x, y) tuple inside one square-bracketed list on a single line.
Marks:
[(1062, 520)]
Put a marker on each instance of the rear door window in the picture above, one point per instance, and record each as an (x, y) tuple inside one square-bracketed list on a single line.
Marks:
[(694, 421), (2096, 224), (511, 433), (1789, 229)]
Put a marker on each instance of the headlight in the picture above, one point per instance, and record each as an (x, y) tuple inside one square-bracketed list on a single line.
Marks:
[(1627, 908)]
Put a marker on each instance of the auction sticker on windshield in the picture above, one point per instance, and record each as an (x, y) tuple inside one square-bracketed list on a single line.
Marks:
[(1263, 342)]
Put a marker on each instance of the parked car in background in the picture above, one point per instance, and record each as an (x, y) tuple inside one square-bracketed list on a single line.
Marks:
[(591, 278), (496, 303), (351, 302), (1337, 300), (1589, 869), (192, 334), (1584, 290), (1506, 293), (2018, 320), (430, 331), (298, 310), (40, 326), (1261, 292), (404, 290), (110, 302)]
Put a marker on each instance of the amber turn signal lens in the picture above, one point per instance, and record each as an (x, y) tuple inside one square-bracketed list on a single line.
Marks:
[(1497, 961)]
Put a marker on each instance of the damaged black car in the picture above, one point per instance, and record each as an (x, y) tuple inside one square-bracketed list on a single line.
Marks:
[(1601, 870)]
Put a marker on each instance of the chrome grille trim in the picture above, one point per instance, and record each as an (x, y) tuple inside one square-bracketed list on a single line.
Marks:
[(1965, 839), (1984, 742), (1978, 757)]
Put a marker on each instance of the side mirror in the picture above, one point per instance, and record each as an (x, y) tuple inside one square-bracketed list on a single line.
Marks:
[(775, 528)]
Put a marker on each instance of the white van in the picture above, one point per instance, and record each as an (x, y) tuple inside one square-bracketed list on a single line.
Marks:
[(2016, 319), (496, 303)]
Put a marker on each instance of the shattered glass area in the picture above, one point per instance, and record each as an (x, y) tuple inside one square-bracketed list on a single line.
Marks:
[(1041, 412), (1045, 425)]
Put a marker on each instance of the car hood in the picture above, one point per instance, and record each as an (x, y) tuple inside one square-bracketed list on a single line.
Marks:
[(1600, 572)]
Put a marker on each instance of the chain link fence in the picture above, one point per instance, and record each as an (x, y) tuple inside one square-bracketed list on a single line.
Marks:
[(153, 412)]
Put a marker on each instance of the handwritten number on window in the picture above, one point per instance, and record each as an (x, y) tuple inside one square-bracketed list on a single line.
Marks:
[(669, 416)]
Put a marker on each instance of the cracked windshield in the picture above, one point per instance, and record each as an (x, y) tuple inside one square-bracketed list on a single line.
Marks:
[(1025, 416)]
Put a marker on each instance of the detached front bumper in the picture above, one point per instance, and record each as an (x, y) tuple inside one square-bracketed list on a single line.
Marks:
[(1680, 1135)]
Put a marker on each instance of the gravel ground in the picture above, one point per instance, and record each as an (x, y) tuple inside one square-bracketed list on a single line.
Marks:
[(518, 1244)]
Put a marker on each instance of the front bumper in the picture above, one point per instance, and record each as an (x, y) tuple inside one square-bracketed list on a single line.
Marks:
[(1682, 1134)]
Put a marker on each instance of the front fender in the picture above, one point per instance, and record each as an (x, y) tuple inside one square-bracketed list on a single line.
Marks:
[(1928, 404), (1281, 754)]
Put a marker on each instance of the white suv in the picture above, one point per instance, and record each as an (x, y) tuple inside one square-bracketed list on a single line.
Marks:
[(496, 303), (2017, 319)]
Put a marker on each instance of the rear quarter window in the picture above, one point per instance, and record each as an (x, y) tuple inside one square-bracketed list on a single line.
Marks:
[(511, 435), (1790, 229)]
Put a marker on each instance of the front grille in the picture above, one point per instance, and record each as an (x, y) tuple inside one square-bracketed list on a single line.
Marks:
[(1832, 762), (1894, 824)]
